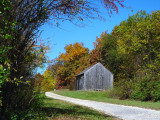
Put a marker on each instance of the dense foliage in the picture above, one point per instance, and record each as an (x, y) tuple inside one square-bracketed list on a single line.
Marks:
[(132, 53), (48, 81), (71, 63)]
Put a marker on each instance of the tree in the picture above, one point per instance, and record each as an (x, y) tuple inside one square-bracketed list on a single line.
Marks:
[(95, 54), (138, 39), (138, 43), (82, 63), (109, 54), (20, 20), (73, 52), (70, 59), (48, 82), (38, 81)]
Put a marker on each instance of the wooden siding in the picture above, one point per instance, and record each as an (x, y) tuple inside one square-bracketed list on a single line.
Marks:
[(96, 77)]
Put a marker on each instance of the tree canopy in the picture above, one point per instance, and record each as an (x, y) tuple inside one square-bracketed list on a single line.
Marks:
[(70, 63)]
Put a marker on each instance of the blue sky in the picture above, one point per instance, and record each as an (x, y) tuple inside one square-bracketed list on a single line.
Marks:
[(68, 33)]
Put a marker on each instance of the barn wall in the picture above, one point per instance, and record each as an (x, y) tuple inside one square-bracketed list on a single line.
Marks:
[(98, 78), (90, 79), (95, 78), (109, 82)]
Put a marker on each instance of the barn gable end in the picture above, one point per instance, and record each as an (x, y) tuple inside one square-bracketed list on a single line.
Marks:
[(96, 77)]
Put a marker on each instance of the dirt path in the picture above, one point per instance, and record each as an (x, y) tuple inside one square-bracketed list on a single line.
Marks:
[(119, 111)]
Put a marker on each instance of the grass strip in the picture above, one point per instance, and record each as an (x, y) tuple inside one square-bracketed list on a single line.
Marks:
[(60, 110), (102, 96)]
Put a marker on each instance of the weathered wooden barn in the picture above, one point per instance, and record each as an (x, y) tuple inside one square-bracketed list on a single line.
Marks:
[(95, 77)]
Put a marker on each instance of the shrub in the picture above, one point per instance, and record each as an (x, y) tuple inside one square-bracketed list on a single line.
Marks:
[(114, 93), (148, 88), (123, 89), (72, 86), (19, 100)]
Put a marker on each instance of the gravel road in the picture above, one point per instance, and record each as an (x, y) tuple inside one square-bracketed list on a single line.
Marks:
[(119, 111)]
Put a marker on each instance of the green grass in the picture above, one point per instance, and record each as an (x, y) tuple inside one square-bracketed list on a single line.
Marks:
[(60, 110), (102, 96)]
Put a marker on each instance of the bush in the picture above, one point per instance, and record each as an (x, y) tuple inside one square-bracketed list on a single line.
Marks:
[(114, 93), (19, 100), (148, 88), (123, 89), (72, 86)]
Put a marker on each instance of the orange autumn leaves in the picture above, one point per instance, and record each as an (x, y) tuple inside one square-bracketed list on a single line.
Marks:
[(73, 52), (73, 60), (95, 54)]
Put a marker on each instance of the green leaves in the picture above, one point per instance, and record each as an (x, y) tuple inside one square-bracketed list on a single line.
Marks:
[(48, 82), (7, 36), (131, 52)]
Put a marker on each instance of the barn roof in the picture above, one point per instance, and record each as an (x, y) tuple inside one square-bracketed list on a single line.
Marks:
[(84, 70), (89, 68)]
